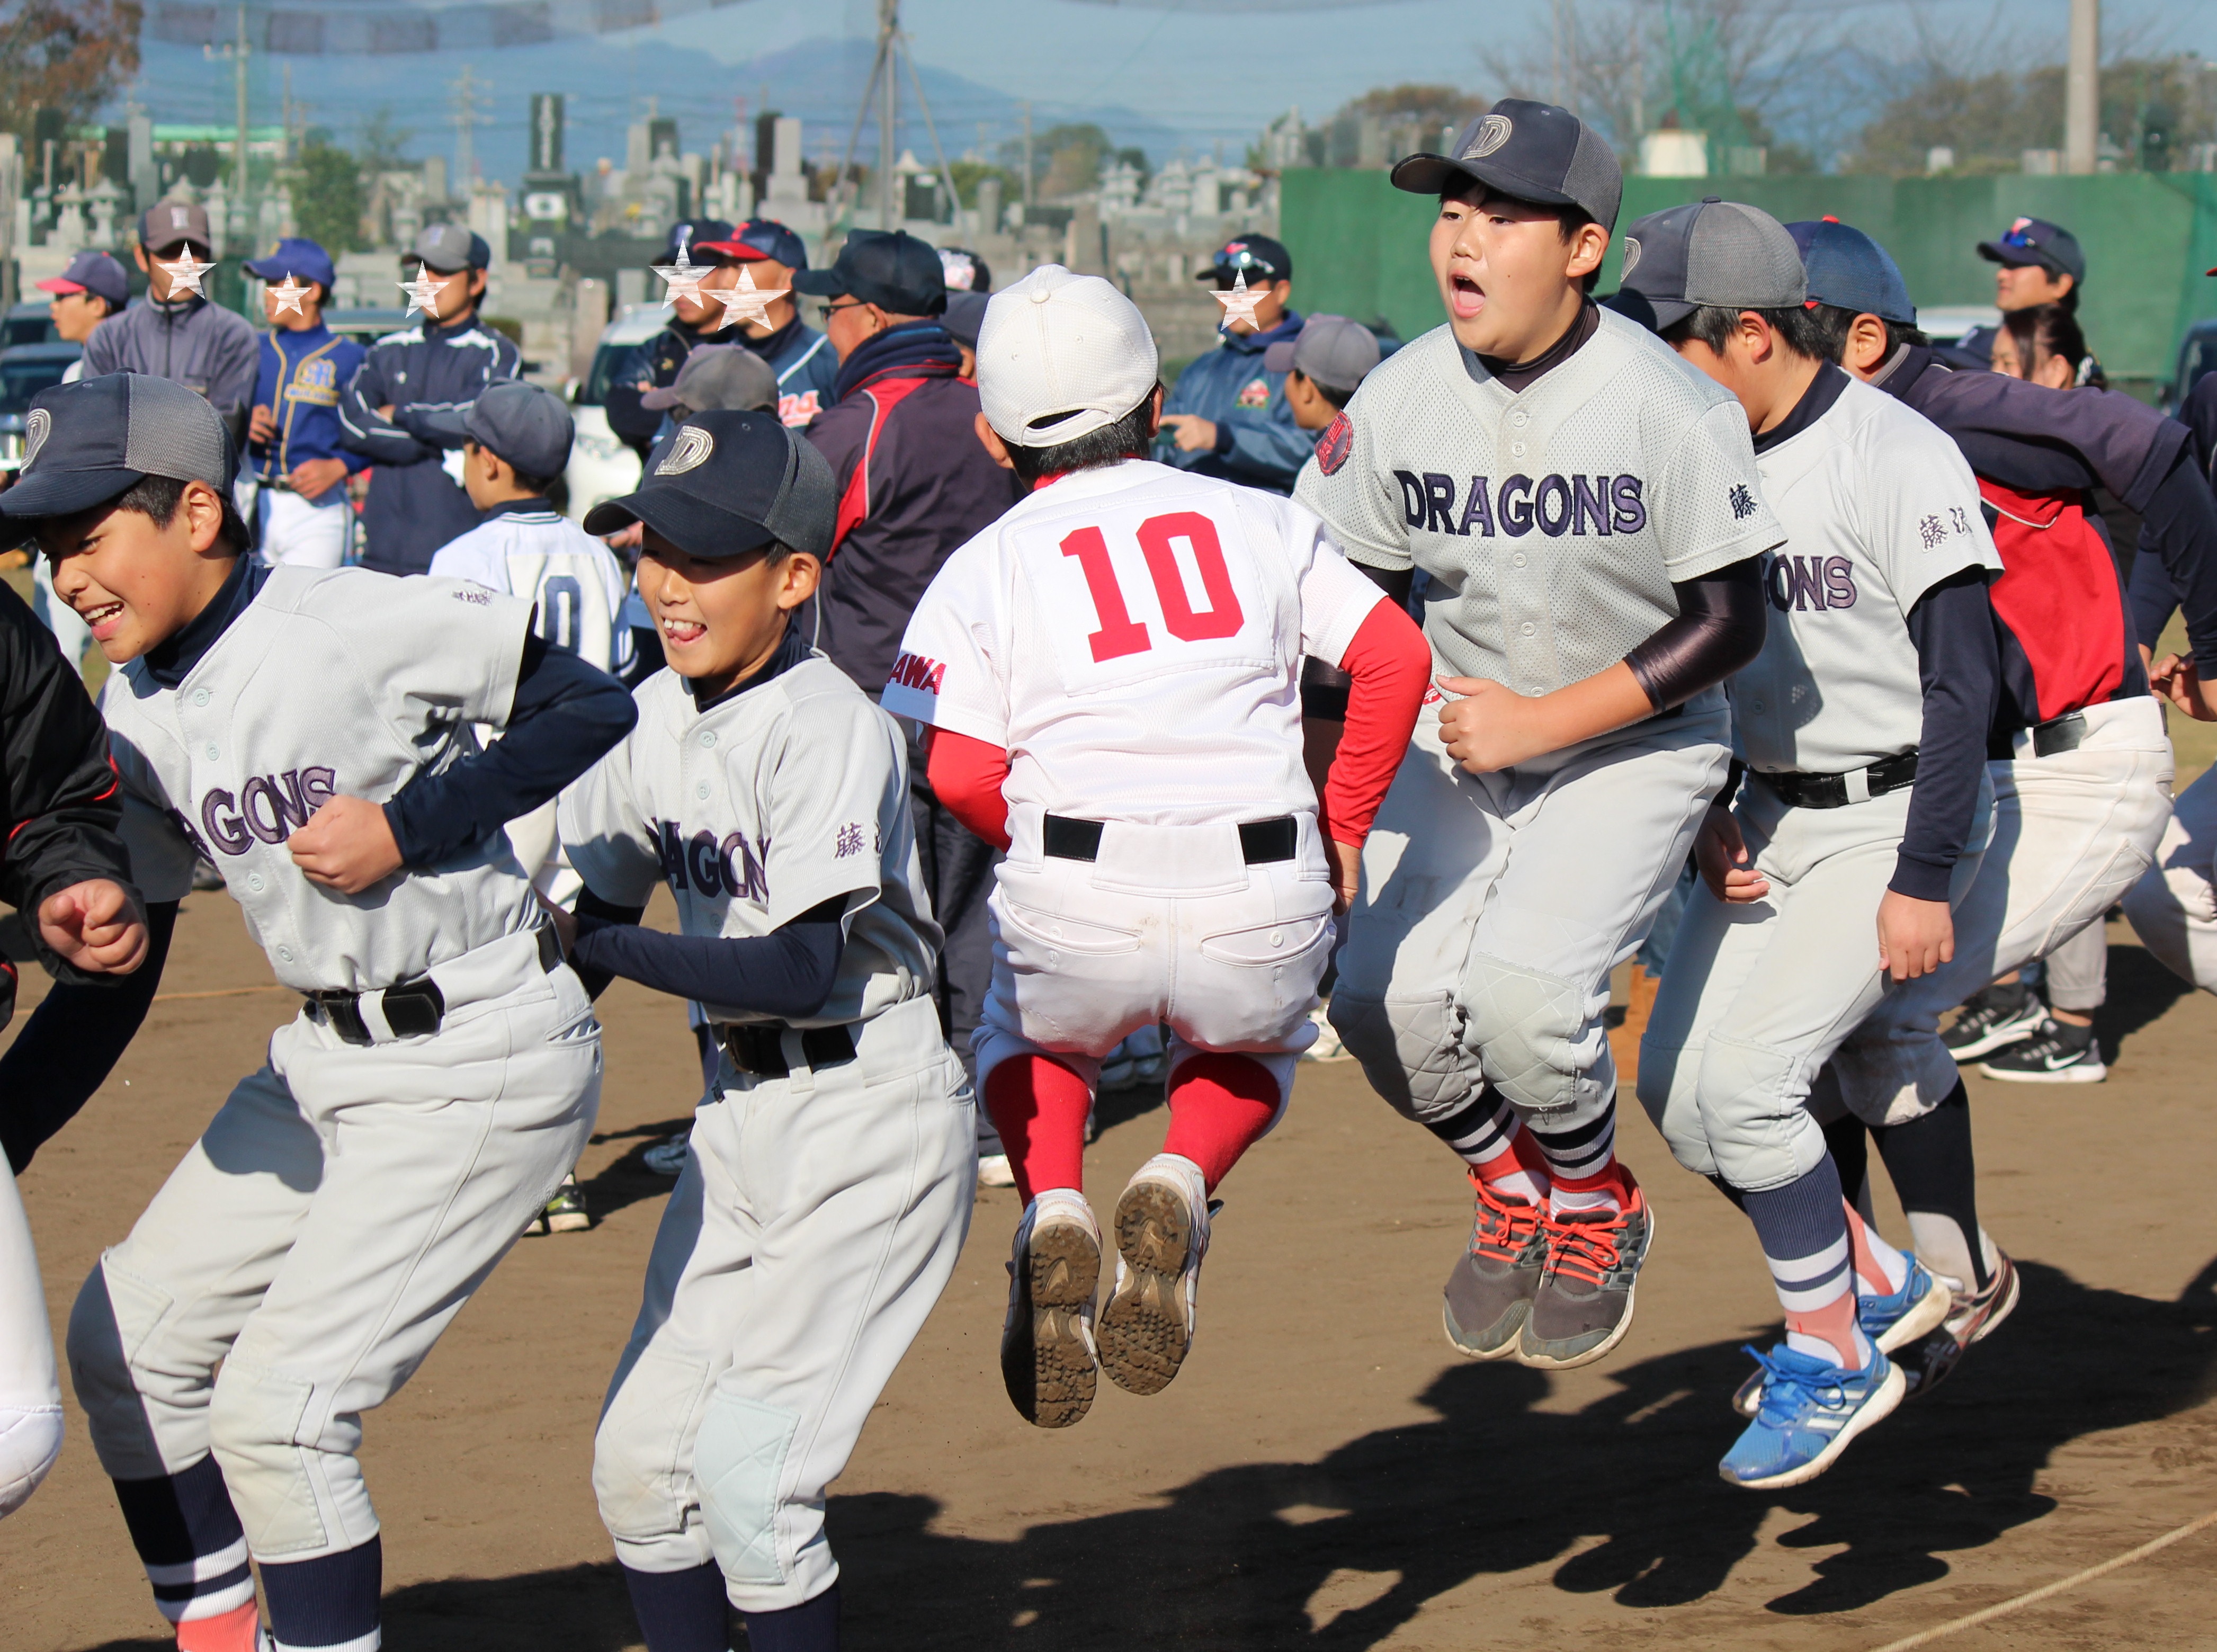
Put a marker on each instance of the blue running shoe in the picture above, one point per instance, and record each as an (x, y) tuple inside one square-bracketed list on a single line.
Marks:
[(1810, 1409), (1891, 1322)]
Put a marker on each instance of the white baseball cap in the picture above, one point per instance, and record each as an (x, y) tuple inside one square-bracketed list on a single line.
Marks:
[(1061, 355)]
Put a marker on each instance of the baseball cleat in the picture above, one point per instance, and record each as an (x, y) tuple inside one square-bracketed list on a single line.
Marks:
[(668, 1156), (565, 1212), (1584, 1305), (1162, 1233), (1048, 1360), (993, 1171), (2057, 1055), (1985, 1026), (1488, 1295), (1809, 1410), (1974, 1316), (1891, 1322)]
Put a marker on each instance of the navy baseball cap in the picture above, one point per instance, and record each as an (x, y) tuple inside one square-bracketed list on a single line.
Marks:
[(1257, 256), (693, 235), (95, 273), (299, 258), (1529, 151), (891, 269), (2036, 241), (731, 482), (1707, 252), (88, 442), (1849, 271), (758, 238), (450, 248), (524, 424), (966, 314)]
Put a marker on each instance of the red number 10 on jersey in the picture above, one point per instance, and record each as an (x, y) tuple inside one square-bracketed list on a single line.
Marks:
[(1120, 633)]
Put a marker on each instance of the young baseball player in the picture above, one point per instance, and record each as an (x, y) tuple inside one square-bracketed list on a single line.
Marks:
[(828, 1191), (309, 731), (1112, 670), (2077, 750), (293, 434), (1587, 508), (1862, 727), (63, 868)]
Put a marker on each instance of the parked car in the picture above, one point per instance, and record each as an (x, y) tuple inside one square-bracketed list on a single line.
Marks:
[(25, 370), (30, 322), (601, 466), (365, 326), (2197, 359)]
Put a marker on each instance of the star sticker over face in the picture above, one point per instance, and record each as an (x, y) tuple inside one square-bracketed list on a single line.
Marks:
[(288, 293), (747, 302), (683, 278), (187, 274), (423, 293), (1239, 303)]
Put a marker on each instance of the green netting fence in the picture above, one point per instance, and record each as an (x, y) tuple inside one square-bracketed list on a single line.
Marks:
[(1359, 244)]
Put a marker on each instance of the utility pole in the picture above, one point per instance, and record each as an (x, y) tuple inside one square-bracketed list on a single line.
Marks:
[(239, 55), (2082, 88), (888, 103), (1027, 153), (465, 88)]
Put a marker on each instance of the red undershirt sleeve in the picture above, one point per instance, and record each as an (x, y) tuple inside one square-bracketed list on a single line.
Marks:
[(1391, 664), (967, 776)]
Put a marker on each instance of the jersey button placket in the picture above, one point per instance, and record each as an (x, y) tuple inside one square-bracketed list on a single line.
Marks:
[(1524, 605)]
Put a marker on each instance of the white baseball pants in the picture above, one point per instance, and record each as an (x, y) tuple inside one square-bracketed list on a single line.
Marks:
[(341, 1208), (1494, 906), (2072, 834), (1758, 995), (817, 1220), (305, 533), (30, 1395), (1167, 924), (2173, 908)]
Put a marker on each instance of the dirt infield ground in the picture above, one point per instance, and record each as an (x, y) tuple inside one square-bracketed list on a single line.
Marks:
[(1326, 1473)]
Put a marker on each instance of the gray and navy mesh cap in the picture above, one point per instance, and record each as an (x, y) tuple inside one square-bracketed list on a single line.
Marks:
[(1710, 251), (86, 442), (524, 424), (1849, 271), (1530, 151), (728, 483)]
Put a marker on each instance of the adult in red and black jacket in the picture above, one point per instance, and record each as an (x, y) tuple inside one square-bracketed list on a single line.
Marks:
[(62, 867), (915, 484)]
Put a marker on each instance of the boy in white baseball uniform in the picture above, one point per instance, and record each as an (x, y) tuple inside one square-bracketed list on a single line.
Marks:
[(309, 731), (1111, 672), (1587, 510), (1862, 728), (828, 1189)]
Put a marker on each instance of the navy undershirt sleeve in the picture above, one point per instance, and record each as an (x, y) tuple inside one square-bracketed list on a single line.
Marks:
[(788, 972), (2154, 600), (1959, 663), (565, 717), (72, 1041), (1719, 629), (2180, 525)]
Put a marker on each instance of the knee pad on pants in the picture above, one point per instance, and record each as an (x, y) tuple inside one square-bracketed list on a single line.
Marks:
[(30, 1440), (738, 1463), (255, 1422), (642, 1476), (1534, 1042), (1411, 1049), (1750, 1098), (1666, 1092), (114, 1317)]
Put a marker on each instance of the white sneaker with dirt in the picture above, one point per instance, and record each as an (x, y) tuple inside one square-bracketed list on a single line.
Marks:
[(1162, 1233), (667, 1157), (994, 1171), (1048, 1360), (2058, 1054)]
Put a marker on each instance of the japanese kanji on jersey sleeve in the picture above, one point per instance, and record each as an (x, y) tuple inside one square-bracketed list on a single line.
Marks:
[(1351, 485), (1924, 517), (607, 831), (951, 670), (1707, 504), (836, 796)]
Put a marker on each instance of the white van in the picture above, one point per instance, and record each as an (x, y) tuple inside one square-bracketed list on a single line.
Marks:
[(601, 466)]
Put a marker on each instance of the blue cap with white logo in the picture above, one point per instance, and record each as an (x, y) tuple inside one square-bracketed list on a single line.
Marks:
[(297, 256)]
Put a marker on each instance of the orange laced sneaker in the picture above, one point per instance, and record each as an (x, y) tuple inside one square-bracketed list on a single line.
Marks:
[(1489, 1293), (1584, 1305)]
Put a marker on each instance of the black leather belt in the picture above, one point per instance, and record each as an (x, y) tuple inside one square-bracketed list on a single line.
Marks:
[(2064, 733), (1260, 841), (413, 1008), (1806, 791), (759, 1046)]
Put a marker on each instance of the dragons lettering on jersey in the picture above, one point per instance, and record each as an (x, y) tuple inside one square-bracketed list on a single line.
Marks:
[(732, 867), (1580, 506), (269, 808), (1798, 583)]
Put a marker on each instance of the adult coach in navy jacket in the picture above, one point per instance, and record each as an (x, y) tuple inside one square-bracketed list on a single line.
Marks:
[(915, 484), (415, 505), (1228, 415)]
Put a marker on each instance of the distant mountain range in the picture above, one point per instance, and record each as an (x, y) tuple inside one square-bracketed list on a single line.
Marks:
[(609, 82)]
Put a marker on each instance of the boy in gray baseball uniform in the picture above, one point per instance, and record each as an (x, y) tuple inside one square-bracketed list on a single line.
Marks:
[(828, 1189), (1587, 509), (309, 732), (1862, 728)]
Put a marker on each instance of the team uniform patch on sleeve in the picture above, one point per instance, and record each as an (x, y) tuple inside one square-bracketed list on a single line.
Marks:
[(1334, 445)]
